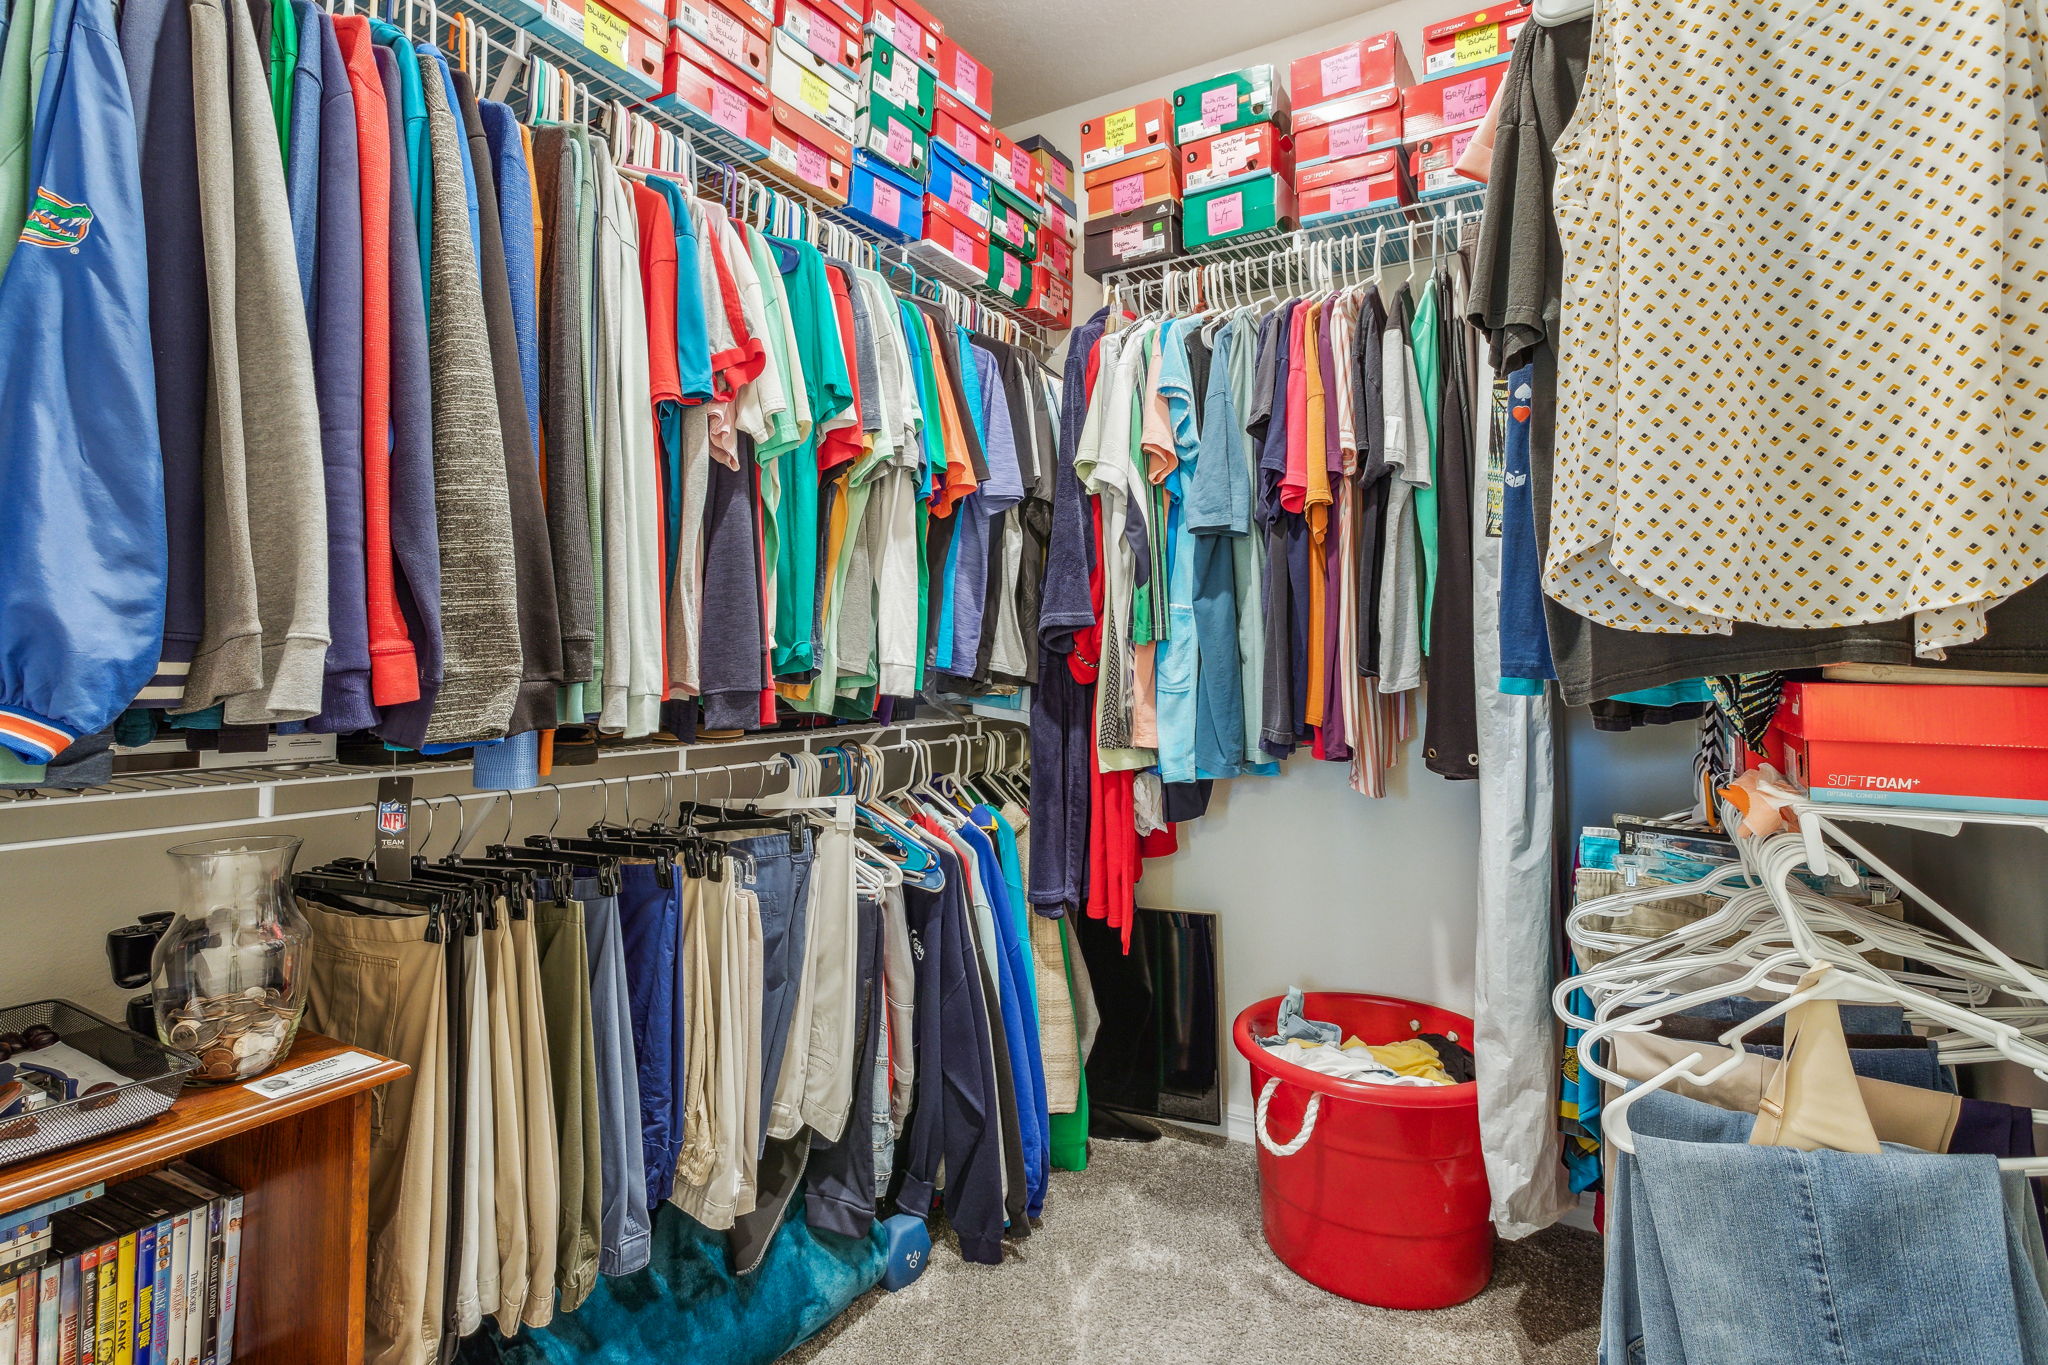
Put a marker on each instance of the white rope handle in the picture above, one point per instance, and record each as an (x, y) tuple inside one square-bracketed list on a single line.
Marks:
[(1308, 1121)]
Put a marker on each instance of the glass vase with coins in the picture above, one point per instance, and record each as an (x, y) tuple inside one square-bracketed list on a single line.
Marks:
[(229, 978)]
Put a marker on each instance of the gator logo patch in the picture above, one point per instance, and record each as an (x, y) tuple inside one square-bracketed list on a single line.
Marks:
[(54, 221)]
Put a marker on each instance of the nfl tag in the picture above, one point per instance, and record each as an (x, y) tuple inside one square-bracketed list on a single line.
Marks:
[(394, 821)]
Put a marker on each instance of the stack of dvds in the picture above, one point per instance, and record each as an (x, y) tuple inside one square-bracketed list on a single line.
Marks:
[(144, 1272)]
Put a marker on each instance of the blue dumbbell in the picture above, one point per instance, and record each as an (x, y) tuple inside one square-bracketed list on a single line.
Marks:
[(909, 1248)]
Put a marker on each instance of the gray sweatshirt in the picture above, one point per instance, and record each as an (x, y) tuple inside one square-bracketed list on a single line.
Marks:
[(263, 649), (479, 595)]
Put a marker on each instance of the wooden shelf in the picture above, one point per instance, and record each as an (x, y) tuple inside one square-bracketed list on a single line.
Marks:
[(303, 1164)]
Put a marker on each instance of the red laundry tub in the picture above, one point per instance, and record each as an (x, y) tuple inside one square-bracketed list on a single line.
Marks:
[(1385, 1202)]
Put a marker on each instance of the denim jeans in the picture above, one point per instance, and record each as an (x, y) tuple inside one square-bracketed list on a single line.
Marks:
[(650, 917), (782, 882), (622, 1223), (1718, 1251)]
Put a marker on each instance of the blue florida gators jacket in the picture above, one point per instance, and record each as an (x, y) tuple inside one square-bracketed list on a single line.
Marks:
[(82, 546)]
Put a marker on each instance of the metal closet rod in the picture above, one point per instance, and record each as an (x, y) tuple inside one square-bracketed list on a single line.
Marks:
[(968, 728)]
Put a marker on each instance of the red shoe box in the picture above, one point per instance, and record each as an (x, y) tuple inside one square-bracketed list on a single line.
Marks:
[(1134, 183), (964, 131), (805, 153), (1484, 35), (1017, 168), (823, 29), (963, 74), (1126, 132), (712, 88), (909, 26), (953, 243), (1352, 184), (734, 29), (1915, 744), (1433, 162), (1358, 67), (1218, 160), (1455, 101), (1341, 128), (1052, 298), (1055, 252)]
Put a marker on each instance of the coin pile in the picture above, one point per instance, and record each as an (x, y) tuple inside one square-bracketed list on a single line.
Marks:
[(234, 1036)]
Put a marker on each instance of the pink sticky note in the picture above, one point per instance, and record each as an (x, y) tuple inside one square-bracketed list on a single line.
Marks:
[(967, 144), (1226, 214), (1125, 240), (1020, 170), (1219, 106), (810, 163), (1350, 137), (1352, 194), (1013, 272), (1341, 73), (960, 194), (728, 37), (1127, 193), (824, 39), (728, 109), (963, 245), (1459, 140), (897, 150), (888, 203), (1465, 101), (966, 74), (909, 36)]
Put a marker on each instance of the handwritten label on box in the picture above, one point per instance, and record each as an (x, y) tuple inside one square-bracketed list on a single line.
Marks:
[(1120, 129), (1127, 241), (727, 37), (1465, 101), (1341, 72), (963, 245), (1219, 106), (1351, 136), (1127, 193), (1352, 194), (1013, 272), (605, 33), (888, 203), (898, 148), (960, 194), (729, 109), (967, 144), (966, 74), (1226, 214), (810, 163), (814, 92), (1476, 44)]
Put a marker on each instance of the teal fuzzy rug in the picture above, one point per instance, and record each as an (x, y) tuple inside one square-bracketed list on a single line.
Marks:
[(687, 1305)]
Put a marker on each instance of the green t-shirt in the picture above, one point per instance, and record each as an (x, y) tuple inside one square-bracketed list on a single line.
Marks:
[(1428, 371)]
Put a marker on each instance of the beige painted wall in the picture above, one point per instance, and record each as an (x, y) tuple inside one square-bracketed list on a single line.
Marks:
[(1318, 886)]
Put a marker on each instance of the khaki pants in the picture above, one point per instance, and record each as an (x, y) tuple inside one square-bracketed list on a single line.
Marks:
[(508, 1119), (572, 1073), (542, 1153), (722, 1123), (378, 984)]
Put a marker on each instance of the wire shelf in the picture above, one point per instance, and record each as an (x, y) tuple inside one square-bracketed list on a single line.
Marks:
[(722, 160), (1264, 263)]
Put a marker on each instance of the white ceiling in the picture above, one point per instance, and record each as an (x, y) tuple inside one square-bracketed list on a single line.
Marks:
[(1048, 54)]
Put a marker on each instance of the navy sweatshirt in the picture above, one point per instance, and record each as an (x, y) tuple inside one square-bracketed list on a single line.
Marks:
[(953, 1122), (336, 322), (156, 46)]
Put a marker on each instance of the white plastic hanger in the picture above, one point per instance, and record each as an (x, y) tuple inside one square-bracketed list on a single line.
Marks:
[(1551, 13)]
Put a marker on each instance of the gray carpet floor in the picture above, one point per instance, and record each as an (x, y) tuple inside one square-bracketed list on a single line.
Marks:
[(1154, 1254)]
